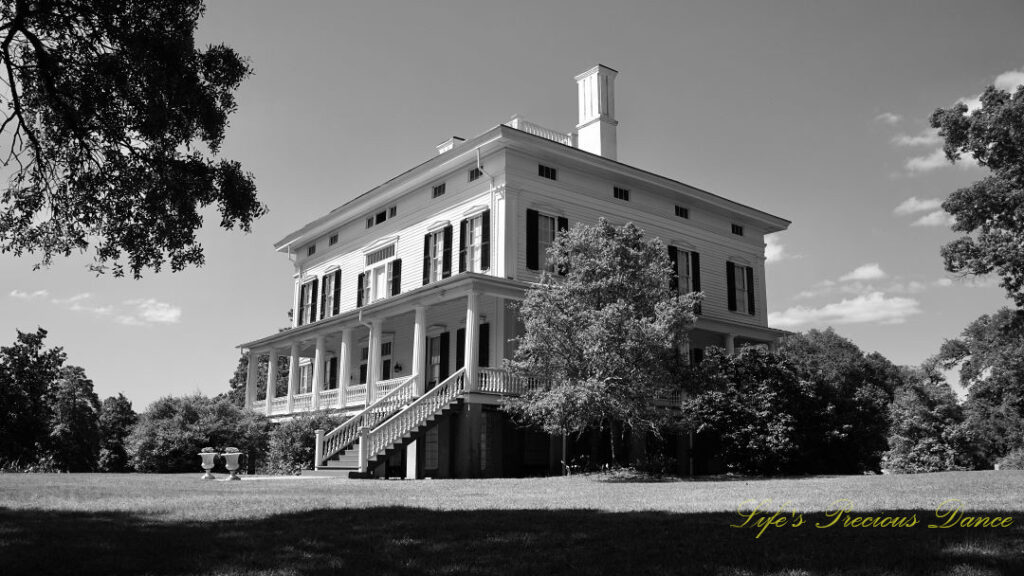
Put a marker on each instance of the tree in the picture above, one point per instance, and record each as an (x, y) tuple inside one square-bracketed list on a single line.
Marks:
[(751, 402), (988, 211), (27, 371), (74, 439), (173, 430), (846, 426), (927, 432), (113, 120), (291, 445), (115, 424), (237, 384), (606, 333), (990, 355)]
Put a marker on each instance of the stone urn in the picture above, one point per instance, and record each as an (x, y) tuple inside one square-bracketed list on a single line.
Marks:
[(231, 456), (209, 461)]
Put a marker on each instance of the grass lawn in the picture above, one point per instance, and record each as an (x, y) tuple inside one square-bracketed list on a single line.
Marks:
[(177, 524)]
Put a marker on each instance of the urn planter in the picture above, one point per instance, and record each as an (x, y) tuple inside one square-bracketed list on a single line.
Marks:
[(209, 461), (231, 463)]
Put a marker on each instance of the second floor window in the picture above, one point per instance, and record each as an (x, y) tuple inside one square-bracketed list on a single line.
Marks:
[(740, 285), (475, 243), (437, 255), (330, 294), (382, 276), (685, 271), (308, 294), (540, 234)]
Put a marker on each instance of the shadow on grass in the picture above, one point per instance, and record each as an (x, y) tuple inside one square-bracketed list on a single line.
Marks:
[(398, 540)]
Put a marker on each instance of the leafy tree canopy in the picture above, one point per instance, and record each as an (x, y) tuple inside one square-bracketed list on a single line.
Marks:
[(112, 119), (74, 439), (27, 369), (606, 334), (990, 212), (115, 424)]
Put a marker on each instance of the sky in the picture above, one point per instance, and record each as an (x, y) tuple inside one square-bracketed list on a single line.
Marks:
[(815, 111)]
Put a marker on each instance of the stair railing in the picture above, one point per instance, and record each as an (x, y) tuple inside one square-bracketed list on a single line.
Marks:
[(348, 432)]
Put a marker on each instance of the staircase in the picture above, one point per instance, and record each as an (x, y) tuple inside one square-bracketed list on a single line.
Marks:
[(357, 443)]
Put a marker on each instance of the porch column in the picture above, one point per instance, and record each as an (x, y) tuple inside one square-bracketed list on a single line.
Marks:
[(318, 369), (344, 366), (472, 348), (730, 344), (419, 352), (374, 361), (250, 379), (271, 380), (293, 376)]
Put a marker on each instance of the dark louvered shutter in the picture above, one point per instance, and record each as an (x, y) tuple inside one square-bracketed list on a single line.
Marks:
[(359, 289), (695, 275), (463, 245), (323, 298), (673, 258), (426, 259), (312, 301), (332, 373), (302, 304), (750, 290), (460, 348), (396, 277), (730, 284), (446, 264), (337, 292), (532, 245), (563, 225), (485, 242), (698, 355), (445, 345), (485, 345)]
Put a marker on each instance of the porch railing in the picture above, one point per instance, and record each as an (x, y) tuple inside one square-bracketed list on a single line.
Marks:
[(302, 402), (401, 394), (499, 381), (386, 386), (538, 130), (329, 398), (355, 395)]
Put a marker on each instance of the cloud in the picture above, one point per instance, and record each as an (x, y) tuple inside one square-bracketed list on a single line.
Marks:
[(875, 307), (866, 272), (153, 311), (73, 299), (29, 295), (912, 287), (1007, 82), (944, 282), (774, 251), (927, 137), (936, 159), (936, 218), (888, 118), (912, 205)]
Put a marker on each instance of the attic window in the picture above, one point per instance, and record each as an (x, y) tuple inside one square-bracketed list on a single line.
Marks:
[(737, 229), (682, 212), (311, 250), (332, 240), (438, 191), (381, 217), (621, 193), (475, 173), (547, 172)]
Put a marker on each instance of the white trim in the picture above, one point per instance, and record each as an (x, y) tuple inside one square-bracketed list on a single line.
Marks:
[(380, 243), (475, 211), (439, 226)]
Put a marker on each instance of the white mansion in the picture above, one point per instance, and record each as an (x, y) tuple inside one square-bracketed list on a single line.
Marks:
[(400, 310)]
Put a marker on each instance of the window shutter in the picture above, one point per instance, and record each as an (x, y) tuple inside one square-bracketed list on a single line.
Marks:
[(359, 289), (485, 242), (695, 275), (485, 345), (332, 373), (396, 277), (446, 265), (426, 259), (312, 302), (323, 298), (445, 345), (463, 245), (698, 355), (673, 279), (460, 348), (750, 290), (337, 292), (302, 303), (563, 224), (532, 245), (730, 283)]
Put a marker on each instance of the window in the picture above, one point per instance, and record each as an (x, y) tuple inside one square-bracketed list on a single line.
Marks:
[(475, 243), (437, 255), (307, 302), (381, 217), (364, 359), (737, 229), (685, 271), (369, 222), (385, 360), (547, 172), (330, 294), (380, 255), (311, 250), (621, 194), (392, 212), (333, 240), (474, 173), (740, 285), (382, 276), (438, 191), (540, 233), (433, 361), (682, 212), (305, 378)]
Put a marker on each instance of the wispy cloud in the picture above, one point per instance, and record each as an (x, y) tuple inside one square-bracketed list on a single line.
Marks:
[(870, 271), (927, 137), (774, 251), (22, 295), (1007, 81), (932, 161), (913, 205), (888, 118), (936, 218), (875, 307), (154, 312)]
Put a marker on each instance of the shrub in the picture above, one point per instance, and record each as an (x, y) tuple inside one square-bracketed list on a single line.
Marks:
[(172, 431), (291, 444), (1013, 461)]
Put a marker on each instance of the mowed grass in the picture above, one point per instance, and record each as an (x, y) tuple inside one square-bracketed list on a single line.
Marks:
[(178, 524)]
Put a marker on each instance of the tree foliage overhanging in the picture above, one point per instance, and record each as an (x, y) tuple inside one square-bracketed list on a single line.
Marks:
[(110, 124), (989, 212)]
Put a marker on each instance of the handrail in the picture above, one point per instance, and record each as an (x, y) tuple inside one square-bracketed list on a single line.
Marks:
[(348, 432), (412, 415)]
